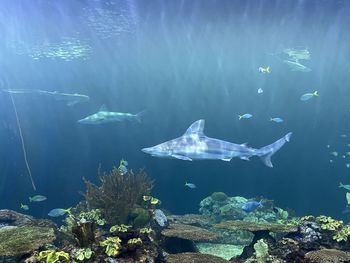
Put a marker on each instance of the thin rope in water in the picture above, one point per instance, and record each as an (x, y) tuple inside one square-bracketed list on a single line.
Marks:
[(23, 146)]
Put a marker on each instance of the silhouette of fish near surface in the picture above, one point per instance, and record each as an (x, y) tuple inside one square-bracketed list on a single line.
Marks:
[(195, 145)]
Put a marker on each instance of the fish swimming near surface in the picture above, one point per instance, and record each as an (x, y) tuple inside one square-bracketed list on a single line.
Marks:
[(296, 66), (190, 185), (345, 186), (277, 120), (37, 198), (70, 98), (308, 96), (195, 145), (59, 212), (105, 116), (251, 206), (245, 116)]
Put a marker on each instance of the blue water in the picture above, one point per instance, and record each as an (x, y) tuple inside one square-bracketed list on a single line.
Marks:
[(180, 61)]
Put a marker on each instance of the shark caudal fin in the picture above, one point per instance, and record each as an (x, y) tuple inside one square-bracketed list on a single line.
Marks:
[(140, 115), (266, 152)]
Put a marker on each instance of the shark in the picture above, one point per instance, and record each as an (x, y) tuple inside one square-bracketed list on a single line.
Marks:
[(296, 66), (195, 145), (70, 98), (105, 116)]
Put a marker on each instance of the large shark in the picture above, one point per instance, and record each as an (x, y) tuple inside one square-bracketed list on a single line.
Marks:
[(105, 116), (70, 98), (194, 145), (296, 66)]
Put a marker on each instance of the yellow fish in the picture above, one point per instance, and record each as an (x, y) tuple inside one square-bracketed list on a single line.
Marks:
[(265, 70)]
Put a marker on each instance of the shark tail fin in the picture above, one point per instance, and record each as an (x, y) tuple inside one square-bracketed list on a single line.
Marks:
[(315, 93), (268, 69), (265, 153), (340, 184), (140, 115), (240, 117)]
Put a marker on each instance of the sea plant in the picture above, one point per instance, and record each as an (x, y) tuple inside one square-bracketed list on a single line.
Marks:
[(52, 256), (94, 215), (119, 228), (83, 254), (118, 194), (112, 246), (219, 196), (135, 241), (261, 250), (146, 231)]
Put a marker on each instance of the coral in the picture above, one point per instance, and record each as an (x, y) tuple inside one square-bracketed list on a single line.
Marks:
[(140, 217), (261, 249), (342, 235), (84, 233), (189, 232), (12, 218), (146, 231), (151, 200), (193, 258), (225, 251), (327, 256), (23, 240), (93, 215), (83, 253), (191, 219), (118, 194), (112, 246), (254, 227), (135, 241), (328, 223), (52, 256), (119, 228), (219, 196)]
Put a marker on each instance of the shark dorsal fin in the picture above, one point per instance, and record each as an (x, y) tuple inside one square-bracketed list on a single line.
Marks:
[(103, 108), (196, 127)]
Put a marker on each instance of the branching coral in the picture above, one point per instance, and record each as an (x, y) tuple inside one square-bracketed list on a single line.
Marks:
[(118, 194)]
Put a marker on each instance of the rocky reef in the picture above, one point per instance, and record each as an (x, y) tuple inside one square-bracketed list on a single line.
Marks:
[(119, 221)]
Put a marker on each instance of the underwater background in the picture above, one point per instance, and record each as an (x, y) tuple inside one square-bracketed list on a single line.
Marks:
[(181, 61)]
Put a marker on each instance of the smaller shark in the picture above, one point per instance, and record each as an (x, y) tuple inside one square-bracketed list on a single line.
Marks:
[(105, 116), (70, 98), (195, 145)]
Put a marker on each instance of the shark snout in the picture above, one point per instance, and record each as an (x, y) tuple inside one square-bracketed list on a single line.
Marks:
[(147, 150)]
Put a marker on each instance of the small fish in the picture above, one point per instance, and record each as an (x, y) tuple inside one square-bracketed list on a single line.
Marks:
[(345, 186), (245, 116), (264, 70), (308, 96), (59, 212), (343, 156), (328, 146), (251, 206), (331, 161), (260, 90), (277, 120), (334, 154), (24, 207), (343, 135), (123, 167), (37, 198), (347, 165), (190, 185)]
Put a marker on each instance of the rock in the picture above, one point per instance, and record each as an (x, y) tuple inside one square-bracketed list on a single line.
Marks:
[(12, 218), (15, 241), (189, 232), (194, 258), (327, 256), (191, 219)]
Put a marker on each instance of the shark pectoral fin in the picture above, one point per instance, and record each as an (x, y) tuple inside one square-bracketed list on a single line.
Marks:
[(181, 157), (245, 158), (226, 159)]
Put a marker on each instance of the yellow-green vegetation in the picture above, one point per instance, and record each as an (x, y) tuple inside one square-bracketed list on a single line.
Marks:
[(118, 194), (112, 246), (219, 196), (261, 250), (52, 256), (342, 235), (140, 217), (92, 215), (307, 218), (119, 228), (83, 253), (135, 241), (146, 231), (328, 223), (152, 200)]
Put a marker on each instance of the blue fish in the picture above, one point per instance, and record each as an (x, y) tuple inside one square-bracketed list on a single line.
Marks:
[(59, 212), (251, 206), (190, 185), (345, 186), (277, 120), (308, 96), (245, 116)]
